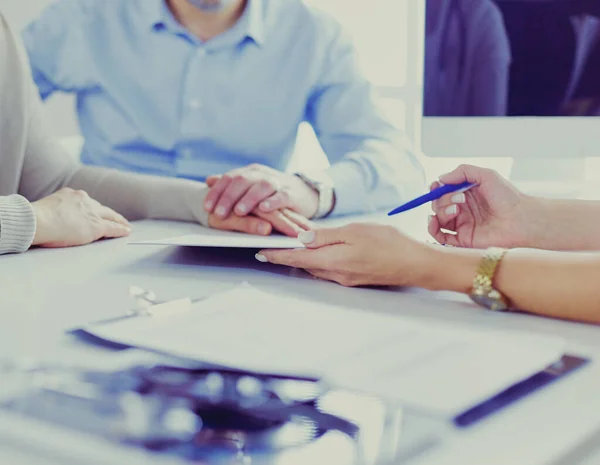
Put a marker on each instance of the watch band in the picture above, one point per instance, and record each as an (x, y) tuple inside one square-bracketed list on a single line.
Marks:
[(323, 186), (483, 292)]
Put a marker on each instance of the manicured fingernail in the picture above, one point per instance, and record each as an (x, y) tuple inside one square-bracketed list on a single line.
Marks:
[(265, 205), (306, 237), (263, 228), (459, 198), (261, 258), (241, 209), (208, 205), (452, 210), (220, 211)]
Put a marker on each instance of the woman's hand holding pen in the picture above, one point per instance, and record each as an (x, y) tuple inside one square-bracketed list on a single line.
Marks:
[(494, 213)]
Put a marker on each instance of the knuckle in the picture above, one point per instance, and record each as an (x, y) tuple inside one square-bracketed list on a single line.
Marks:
[(265, 184), (227, 200), (225, 179), (239, 179)]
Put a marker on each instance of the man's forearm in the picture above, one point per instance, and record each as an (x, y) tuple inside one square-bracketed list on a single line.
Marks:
[(138, 196)]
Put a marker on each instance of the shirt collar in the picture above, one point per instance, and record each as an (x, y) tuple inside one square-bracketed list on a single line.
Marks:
[(252, 21), (255, 17)]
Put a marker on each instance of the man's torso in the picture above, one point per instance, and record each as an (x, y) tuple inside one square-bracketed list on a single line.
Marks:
[(157, 100)]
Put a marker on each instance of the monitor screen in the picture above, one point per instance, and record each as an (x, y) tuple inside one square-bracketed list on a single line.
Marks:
[(515, 58)]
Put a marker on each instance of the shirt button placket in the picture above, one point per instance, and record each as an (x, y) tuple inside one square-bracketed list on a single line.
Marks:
[(191, 119)]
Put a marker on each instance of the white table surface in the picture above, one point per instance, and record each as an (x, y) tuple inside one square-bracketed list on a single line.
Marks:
[(46, 292)]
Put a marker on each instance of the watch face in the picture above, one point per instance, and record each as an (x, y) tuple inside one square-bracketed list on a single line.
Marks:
[(490, 301)]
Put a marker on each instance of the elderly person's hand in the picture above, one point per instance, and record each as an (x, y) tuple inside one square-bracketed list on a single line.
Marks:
[(71, 218), (258, 187), (359, 254)]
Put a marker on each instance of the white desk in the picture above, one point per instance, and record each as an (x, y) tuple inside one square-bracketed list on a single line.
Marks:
[(45, 292)]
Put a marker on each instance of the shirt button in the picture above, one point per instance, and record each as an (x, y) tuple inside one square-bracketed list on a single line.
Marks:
[(195, 104)]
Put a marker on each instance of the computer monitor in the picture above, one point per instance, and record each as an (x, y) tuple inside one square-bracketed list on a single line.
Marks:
[(512, 78)]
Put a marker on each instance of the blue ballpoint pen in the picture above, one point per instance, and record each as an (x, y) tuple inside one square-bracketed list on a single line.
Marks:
[(433, 195)]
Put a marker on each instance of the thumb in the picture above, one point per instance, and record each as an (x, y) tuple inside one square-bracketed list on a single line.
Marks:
[(322, 237), (464, 173)]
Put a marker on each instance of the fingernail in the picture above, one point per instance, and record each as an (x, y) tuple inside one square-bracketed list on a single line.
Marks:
[(208, 205), (241, 209), (306, 237), (265, 205), (261, 258), (459, 198), (452, 210), (220, 211), (263, 228)]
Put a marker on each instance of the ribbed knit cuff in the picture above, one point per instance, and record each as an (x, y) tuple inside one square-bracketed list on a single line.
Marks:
[(17, 224)]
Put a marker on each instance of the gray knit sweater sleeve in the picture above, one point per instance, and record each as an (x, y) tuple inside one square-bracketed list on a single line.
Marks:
[(17, 224)]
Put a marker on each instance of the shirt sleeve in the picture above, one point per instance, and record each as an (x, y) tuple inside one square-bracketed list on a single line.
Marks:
[(57, 50), (373, 165)]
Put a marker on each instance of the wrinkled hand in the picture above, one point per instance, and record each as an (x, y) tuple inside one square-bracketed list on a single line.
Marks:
[(346, 255), (284, 221), (256, 186), (70, 218), (494, 213)]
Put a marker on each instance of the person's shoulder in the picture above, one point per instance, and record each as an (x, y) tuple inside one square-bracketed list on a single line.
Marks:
[(482, 10), (310, 19)]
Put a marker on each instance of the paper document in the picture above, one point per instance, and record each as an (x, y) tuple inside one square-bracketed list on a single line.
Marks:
[(214, 238), (441, 369), (410, 223)]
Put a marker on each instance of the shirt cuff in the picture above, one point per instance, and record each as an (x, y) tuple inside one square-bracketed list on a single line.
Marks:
[(350, 191), (17, 224), (202, 214)]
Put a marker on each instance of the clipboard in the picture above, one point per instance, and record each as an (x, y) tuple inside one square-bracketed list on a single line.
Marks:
[(428, 372)]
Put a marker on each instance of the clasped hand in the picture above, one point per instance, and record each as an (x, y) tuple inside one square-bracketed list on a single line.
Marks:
[(257, 199)]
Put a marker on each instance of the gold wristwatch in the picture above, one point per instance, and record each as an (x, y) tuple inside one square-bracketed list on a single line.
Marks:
[(483, 292)]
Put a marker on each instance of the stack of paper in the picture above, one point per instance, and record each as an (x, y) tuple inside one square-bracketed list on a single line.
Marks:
[(440, 369)]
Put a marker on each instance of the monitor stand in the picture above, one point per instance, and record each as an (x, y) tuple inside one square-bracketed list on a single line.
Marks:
[(551, 177)]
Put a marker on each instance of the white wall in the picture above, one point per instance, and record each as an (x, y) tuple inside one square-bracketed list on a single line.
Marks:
[(60, 108)]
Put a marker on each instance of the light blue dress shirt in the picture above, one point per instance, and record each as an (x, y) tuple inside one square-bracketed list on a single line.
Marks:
[(154, 99)]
